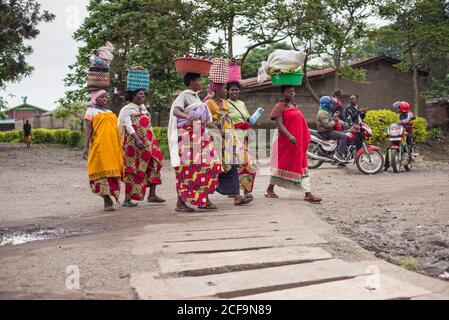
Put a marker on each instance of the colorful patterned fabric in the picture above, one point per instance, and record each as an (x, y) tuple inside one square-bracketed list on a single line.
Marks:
[(138, 79), (106, 187), (197, 176), (142, 167), (246, 167), (289, 165)]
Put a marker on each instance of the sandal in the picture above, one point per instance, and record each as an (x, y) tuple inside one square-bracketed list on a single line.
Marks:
[(184, 209), (156, 199), (312, 199), (209, 206), (240, 201), (249, 196), (109, 209), (271, 195)]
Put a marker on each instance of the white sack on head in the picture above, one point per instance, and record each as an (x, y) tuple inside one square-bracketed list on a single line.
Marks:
[(283, 60)]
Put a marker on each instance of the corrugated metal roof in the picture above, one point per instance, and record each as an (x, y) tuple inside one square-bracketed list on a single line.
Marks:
[(7, 121)]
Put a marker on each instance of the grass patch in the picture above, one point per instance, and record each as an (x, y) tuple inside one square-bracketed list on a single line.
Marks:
[(411, 264)]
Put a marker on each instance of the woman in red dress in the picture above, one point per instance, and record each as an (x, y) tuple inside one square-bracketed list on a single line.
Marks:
[(289, 167)]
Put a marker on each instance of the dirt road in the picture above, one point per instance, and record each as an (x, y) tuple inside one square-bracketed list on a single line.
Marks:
[(45, 194)]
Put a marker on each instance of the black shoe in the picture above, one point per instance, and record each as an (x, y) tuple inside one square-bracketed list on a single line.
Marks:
[(129, 204)]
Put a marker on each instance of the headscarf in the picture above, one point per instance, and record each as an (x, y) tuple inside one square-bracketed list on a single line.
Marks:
[(212, 90), (95, 95)]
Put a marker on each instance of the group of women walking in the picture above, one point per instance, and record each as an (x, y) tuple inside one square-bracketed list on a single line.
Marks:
[(208, 142)]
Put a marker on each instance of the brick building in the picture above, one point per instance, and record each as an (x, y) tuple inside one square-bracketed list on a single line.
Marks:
[(24, 111)]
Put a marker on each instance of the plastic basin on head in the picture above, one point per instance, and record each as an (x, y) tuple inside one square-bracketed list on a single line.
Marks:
[(193, 65), (287, 78)]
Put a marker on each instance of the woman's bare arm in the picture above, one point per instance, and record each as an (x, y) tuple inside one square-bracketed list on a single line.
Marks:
[(87, 137)]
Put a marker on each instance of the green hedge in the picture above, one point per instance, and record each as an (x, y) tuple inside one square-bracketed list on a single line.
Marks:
[(58, 136), (420, 132)]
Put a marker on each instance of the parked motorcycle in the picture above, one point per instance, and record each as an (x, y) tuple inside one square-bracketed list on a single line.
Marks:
[(399, 153), (368, 158)]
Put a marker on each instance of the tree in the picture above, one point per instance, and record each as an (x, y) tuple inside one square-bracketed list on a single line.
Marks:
[(18, 22), (146, 33), (262, 22), (255, 57), (421, 28), (2, 108), (379, 42), (347, 25), (72, 110)]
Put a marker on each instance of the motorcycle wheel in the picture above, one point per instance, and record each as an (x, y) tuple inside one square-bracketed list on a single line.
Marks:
[(408, 168), (313, 148), (395, 161), (368, 168)]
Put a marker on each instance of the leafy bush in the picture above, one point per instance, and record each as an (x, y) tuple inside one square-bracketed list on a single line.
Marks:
[(162, 136), (436, 134), (420, 132), (41, 135), (74, 138), (9, 136), (62, 136)]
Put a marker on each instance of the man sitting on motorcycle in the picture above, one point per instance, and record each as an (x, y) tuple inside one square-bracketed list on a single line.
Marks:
[(325, 122), (353, 112), (406, 119)]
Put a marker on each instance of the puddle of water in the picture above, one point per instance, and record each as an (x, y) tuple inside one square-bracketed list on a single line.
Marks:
[(9, 237)]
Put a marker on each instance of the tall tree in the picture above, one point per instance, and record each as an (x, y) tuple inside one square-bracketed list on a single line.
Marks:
[(347, 23), (144, 32), (306, 24), (262, 22), (18, 22), (422, 28)]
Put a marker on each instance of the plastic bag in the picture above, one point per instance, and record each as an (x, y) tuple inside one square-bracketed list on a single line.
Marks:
[(280, 61)]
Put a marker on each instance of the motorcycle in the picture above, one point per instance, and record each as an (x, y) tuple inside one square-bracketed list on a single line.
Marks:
[(399, 152), (368, 158)]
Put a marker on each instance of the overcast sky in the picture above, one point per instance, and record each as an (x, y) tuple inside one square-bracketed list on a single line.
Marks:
[(54, 50)]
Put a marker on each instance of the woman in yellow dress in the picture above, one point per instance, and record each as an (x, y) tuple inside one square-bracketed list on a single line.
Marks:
[(103, 149)]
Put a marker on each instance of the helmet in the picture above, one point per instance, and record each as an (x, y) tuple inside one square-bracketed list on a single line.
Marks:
[(325, 101), (404, 107)]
